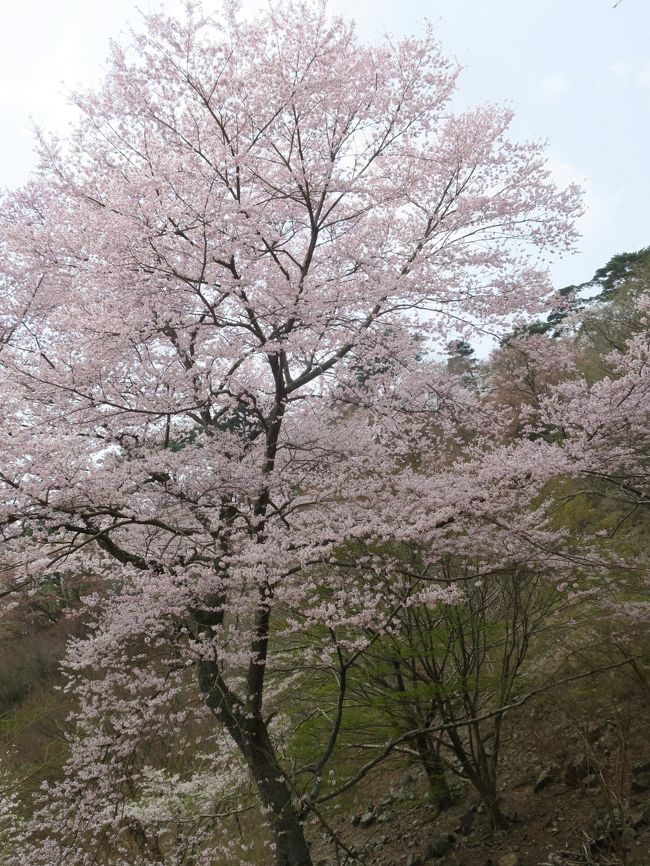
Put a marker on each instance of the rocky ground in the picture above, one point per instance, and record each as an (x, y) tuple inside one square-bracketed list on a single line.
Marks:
[(575, 783)]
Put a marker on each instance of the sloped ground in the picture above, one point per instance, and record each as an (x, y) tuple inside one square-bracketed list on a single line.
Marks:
[(575, 780)]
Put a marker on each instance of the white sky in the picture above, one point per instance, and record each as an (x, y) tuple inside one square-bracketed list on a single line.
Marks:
[(576, 71)]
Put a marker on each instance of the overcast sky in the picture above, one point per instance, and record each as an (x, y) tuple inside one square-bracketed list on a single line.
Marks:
[(577, 73)]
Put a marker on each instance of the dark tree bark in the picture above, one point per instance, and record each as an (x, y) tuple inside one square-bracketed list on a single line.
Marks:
[(439, 791), (249, 731)]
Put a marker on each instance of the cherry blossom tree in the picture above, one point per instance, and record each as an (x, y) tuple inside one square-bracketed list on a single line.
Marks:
[(604, 423), (219, 295), (587, 395)]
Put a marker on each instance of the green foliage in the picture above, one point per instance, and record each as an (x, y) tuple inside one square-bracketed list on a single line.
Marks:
[(606, 326), (624, 275), (22, 668), (618, 270)]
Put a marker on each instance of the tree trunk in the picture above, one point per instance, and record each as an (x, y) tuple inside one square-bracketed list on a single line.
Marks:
[(287, 828), (249, 732), (487, 790), (439, 792), (481, 770)]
